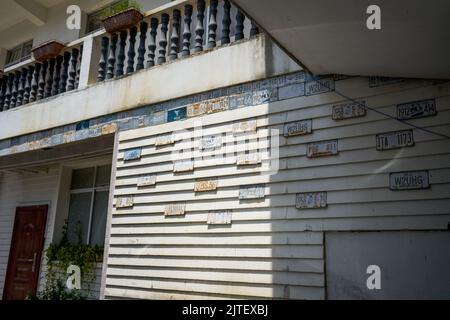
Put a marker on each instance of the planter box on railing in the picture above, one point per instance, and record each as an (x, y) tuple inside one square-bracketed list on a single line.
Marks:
[(47, 50), (122, 20)]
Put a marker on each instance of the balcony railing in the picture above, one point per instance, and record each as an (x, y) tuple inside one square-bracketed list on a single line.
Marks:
[(174, 31)]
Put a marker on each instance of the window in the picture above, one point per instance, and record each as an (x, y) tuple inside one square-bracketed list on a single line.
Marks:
[(94, 19), (20, 53), (89, 195)]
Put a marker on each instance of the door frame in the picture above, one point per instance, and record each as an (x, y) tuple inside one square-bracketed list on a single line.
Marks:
[(40, 246)]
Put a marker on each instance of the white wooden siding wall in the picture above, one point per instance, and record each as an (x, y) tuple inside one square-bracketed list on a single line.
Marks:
[(23, 189), (272, 249)]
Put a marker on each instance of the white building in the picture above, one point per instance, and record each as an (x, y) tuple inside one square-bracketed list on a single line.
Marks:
[(209, 164)]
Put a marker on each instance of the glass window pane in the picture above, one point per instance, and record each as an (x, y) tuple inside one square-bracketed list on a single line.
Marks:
[(99, 218), (26, 51), (14, 55), (78, 222), (103, 176), (83, 178)]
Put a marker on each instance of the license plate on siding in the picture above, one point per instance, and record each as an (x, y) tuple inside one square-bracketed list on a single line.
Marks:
[(312, 200), (175, 209), (417, 109), (322, 149), (252, 192), (218, 218), (409, 180), (394, 140), (298, 128)]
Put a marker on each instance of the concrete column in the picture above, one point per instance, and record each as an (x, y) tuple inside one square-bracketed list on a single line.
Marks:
[(89, 62)]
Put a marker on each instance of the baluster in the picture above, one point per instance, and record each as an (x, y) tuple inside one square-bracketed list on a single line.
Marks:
[(41, 82), (212, 28), (163, 38), (152, 42), (77, 79), (26, 94), (131, 50), (121, 56), (187, 31), (254, 30), (199, 29), (72, 69), (34, 82), (9, 86), (64, 72), (226, 22), (175, 37), (7, 99), (49, 78), (3, 91), (141, 50), (21, 88), (240, 18), (112, 57), (102, 63), (14, 90), (57, 75)]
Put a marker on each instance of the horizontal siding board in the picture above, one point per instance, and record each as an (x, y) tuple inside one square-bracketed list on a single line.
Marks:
[(285, 278), (255, 264), (263, 291), (278, 247)]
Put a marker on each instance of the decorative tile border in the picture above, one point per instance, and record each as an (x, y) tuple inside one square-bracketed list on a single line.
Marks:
[(219, 100)]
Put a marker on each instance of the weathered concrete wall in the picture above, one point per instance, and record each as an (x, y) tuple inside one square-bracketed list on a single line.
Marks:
[(226, 66), (414, 265)]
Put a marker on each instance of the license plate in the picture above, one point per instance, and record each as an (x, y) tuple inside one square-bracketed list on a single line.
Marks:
[(175, 209), (124, 202), (205, 185), (164, 140), (417, 109), (252, 192), (176, 114), (297, 128), (248, 159), (217, 218), (323, 148), (244, 126), (146, 181), (211, 142), (394, 140), (349, 110), (132, 154), (319, 86), (183, 166), (312, 200), (409, 180)]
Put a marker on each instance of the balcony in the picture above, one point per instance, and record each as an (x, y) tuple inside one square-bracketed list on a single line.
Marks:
[(180, 49)]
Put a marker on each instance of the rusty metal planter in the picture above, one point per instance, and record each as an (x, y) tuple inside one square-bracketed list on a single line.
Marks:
[(122, 20), (47, 50)]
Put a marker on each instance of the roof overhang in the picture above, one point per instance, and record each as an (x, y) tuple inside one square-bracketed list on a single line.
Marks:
[(331, 37)]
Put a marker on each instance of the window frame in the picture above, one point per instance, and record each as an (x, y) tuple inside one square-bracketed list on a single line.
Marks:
[(91, 190), (22, 57)]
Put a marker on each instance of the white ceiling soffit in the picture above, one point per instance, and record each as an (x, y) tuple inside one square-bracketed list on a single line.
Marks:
[(331, 36)]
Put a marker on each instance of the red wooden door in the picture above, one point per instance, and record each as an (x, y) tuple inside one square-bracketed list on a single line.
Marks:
[(25, 254)]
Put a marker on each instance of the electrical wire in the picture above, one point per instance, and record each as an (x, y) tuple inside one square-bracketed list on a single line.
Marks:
[(380, 112)]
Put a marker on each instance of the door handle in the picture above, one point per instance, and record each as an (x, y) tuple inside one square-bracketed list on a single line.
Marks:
[(33, 268)]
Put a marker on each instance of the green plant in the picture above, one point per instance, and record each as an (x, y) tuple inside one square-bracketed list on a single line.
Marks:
[(59, 258), (120, 7)]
